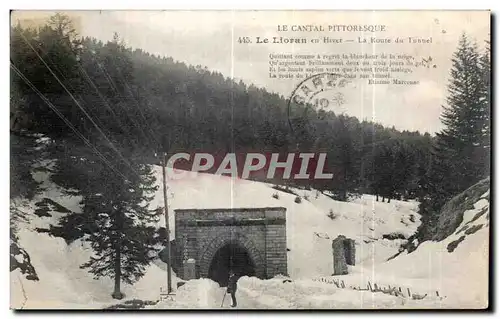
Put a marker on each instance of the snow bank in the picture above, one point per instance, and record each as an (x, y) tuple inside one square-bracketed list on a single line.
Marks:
[(460, 275), (307, 294), (195, 294), (63, 284)]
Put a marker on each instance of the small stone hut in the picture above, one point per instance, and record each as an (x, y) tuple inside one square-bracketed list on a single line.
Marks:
[(344, 253)]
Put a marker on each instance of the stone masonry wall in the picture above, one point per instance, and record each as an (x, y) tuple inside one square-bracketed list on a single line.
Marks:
[(350, 251), (339, 260), (262, 232), (344, 253), (276, 258)]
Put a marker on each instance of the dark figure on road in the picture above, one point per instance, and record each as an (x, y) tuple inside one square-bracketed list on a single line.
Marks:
[(231, 287)]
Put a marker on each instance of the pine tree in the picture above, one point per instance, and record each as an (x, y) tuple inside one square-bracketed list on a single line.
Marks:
[(460, 154), (123, 237), (25, 151), (382, 170), (42, 55), (460, 144), (342, 159), (485, 149)]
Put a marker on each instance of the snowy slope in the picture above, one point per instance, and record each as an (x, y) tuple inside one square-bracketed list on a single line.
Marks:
[(461, 273), (456, 267), (309, 229), (63, 284), (309, 233)]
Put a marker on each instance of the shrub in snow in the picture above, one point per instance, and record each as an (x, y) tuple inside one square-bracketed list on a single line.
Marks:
[(298, 200), (180, 284), (451, 246), (418, 297), (306, 197), (395, 235), (332, 215), (284, 189), (276, 196), (473, 229), (133, 304), (353, 196)]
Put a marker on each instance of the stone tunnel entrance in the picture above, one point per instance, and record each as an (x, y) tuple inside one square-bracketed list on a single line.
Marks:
[(210, 242), (231, 256)]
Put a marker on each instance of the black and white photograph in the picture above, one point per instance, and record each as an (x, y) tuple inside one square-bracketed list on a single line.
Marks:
[(250, 160)]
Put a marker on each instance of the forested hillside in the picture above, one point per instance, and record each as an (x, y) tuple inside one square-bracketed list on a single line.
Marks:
[(126, 101)]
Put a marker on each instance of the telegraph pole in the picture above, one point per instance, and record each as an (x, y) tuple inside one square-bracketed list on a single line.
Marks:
[(167, 224)]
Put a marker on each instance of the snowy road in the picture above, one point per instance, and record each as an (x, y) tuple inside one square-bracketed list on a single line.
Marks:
[(244, 301)]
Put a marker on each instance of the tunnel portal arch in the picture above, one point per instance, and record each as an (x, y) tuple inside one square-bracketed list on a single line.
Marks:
[(229, 237), (257, 237), (233, 257)]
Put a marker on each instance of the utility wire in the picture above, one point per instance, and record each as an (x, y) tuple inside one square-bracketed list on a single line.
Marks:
[(85, 140), (99, 94), (68, 83), (78, 104), (113, 86), (136, 102)]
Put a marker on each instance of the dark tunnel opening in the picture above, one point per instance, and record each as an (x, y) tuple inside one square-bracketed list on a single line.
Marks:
[(230, 256)]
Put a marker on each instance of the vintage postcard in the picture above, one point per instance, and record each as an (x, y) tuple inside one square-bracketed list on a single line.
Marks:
[(240, 160)]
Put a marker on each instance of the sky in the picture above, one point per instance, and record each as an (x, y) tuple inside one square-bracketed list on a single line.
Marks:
[(209, 38)]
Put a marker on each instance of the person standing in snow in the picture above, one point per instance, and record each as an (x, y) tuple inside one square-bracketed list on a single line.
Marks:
[(231, 287)]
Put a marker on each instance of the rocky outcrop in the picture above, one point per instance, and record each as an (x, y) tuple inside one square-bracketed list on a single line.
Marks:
[(452, 213), (20, 259), (451, 216)]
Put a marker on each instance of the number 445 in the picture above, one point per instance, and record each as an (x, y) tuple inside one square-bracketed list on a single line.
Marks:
[(244, 40)]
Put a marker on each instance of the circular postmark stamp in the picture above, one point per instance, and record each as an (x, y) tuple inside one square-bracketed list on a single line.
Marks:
[(320, 91)]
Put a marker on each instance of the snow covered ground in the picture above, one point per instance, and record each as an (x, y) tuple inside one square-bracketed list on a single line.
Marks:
[(63, 284), (310, 230)]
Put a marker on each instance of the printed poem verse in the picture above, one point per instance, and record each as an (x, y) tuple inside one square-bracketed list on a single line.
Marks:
[(375, 69)]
